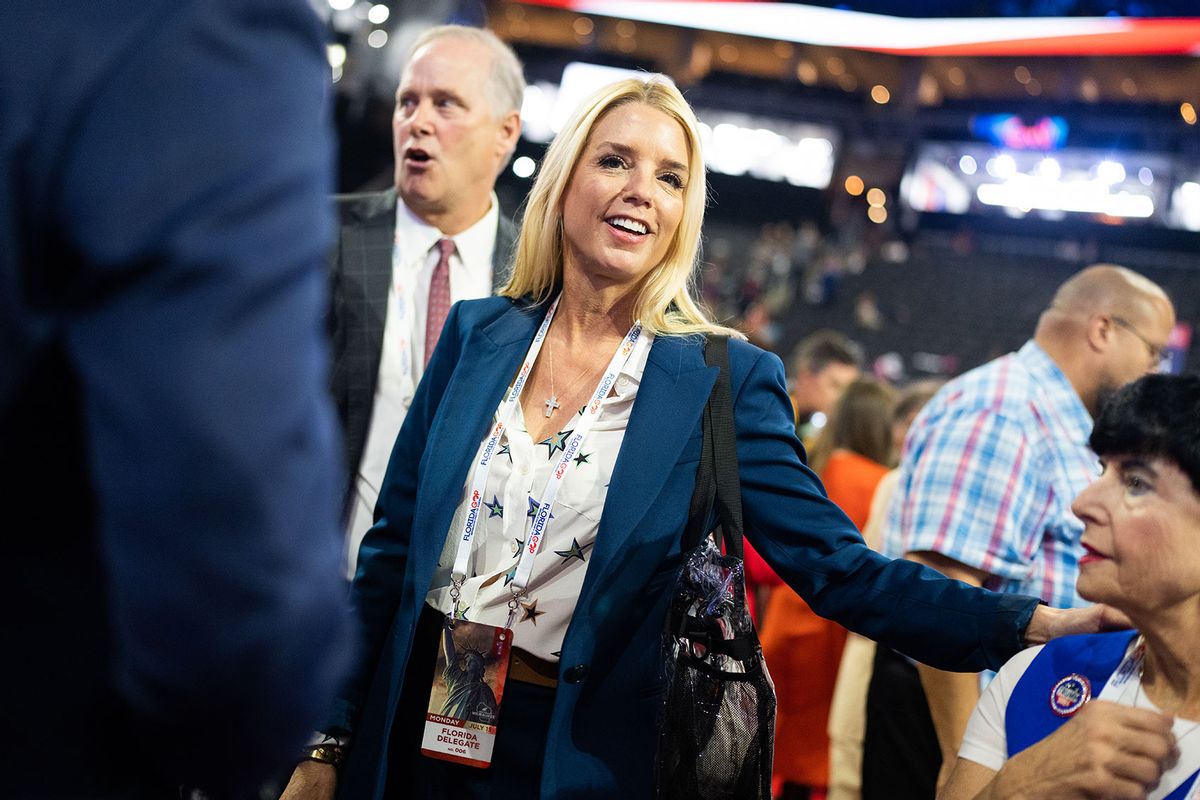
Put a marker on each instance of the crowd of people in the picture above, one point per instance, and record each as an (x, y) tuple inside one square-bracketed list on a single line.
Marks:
[(175, 324)]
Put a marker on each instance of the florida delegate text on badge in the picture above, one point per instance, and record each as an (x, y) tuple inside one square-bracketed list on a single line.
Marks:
[(464, 701)]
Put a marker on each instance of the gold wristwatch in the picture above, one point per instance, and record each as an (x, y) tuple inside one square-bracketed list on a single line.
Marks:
[(327, 753)]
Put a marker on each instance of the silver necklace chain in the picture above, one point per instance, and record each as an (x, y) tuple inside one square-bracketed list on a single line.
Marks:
[(551, 403)]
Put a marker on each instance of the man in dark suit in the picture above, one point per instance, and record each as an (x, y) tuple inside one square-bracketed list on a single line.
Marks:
[(404, 255), (167, 458)]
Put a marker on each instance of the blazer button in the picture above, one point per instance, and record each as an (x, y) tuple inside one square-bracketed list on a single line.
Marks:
[(576, 674)]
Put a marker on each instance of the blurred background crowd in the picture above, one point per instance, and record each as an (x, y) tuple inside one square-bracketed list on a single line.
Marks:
[(869, 175)]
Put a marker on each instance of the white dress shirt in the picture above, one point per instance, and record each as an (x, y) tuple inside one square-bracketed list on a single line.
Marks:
[(402, 359), (514, 486)]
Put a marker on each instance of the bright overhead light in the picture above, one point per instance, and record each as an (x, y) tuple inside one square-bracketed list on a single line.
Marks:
[(1001, 166), (968, 165), (378, 14), (524, 166), (1049, 168), (1110, 171), (341, 5), (377, 38), (336, 54)]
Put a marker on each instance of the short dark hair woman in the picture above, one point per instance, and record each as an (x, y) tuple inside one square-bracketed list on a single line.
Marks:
[(1115, 714)]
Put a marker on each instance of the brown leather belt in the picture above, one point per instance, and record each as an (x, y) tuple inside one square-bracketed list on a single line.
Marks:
[(529, 668)]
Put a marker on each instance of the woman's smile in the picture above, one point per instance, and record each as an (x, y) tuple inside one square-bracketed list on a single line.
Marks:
[(624, 201)]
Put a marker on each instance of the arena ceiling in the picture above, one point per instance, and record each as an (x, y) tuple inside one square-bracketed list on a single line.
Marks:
[(932, 77)]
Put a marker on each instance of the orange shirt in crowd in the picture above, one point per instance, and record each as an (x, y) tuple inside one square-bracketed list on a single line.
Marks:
[(803, 650)]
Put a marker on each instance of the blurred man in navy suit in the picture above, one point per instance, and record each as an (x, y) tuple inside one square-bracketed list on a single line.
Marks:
[(168, 452)]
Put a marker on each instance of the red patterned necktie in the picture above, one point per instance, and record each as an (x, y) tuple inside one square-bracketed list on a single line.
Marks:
[(439, 297)]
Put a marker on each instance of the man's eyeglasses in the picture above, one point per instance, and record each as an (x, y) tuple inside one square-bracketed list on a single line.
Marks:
[(1157, 353)]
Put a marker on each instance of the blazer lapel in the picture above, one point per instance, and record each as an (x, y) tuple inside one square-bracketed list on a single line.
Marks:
[(673, 392), (487, 362)]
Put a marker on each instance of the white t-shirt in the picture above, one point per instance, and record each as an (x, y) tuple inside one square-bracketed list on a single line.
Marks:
[(986, 743)]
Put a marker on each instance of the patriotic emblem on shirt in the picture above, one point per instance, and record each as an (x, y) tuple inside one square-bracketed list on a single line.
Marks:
[(1070, 694)]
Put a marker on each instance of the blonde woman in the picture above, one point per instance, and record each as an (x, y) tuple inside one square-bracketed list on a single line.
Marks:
[(541, 485)]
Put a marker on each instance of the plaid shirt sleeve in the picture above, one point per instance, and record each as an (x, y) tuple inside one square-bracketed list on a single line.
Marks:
[(970, 489)]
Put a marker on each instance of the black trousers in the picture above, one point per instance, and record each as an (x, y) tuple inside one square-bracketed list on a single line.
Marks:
[(516, 770), (901, 756)]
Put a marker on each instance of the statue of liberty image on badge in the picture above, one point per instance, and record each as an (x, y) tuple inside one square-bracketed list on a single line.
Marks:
[(464, 701)]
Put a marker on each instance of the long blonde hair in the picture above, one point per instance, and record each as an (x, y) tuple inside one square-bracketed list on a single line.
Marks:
[(665, 301)]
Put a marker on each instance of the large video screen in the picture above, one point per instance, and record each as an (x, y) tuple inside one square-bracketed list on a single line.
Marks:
[(1070, 183), (787, 151), (976, 178)]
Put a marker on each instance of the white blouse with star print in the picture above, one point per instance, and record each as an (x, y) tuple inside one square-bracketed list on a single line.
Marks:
[(514, 485)]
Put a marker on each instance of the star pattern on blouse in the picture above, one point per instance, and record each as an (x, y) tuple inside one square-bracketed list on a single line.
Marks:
[(505, 451), (531, 612), (557, 442), (494, 508), (582, 458), (575, 551), (534, 505)]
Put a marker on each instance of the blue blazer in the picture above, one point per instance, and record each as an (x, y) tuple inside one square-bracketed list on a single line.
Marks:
[(602, 731)]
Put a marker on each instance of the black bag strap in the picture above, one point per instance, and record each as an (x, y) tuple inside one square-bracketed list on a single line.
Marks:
[(717, 475)]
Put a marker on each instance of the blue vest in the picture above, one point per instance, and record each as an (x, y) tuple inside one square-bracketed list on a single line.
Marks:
[(1028, 717)]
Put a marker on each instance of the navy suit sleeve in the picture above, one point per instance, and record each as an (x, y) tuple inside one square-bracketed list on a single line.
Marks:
[(817, 550), (379, 579), (194, 187)]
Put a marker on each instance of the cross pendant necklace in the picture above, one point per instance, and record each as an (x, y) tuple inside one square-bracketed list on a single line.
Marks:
[(551, 402)]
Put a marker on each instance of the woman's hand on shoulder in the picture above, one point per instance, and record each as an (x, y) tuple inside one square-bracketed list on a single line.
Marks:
[(311, 780), (1050, 623)]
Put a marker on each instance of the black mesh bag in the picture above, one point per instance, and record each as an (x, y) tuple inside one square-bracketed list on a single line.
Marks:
[(717, 730)]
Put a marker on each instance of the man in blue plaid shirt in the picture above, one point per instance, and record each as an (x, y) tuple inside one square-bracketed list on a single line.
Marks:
[(989, 470)]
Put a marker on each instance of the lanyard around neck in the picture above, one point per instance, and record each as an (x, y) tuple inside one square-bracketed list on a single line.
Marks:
[(541, 520)]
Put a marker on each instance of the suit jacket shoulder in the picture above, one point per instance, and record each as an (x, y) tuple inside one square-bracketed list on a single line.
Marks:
[(365, 206), (481, 312), (505, 250)]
